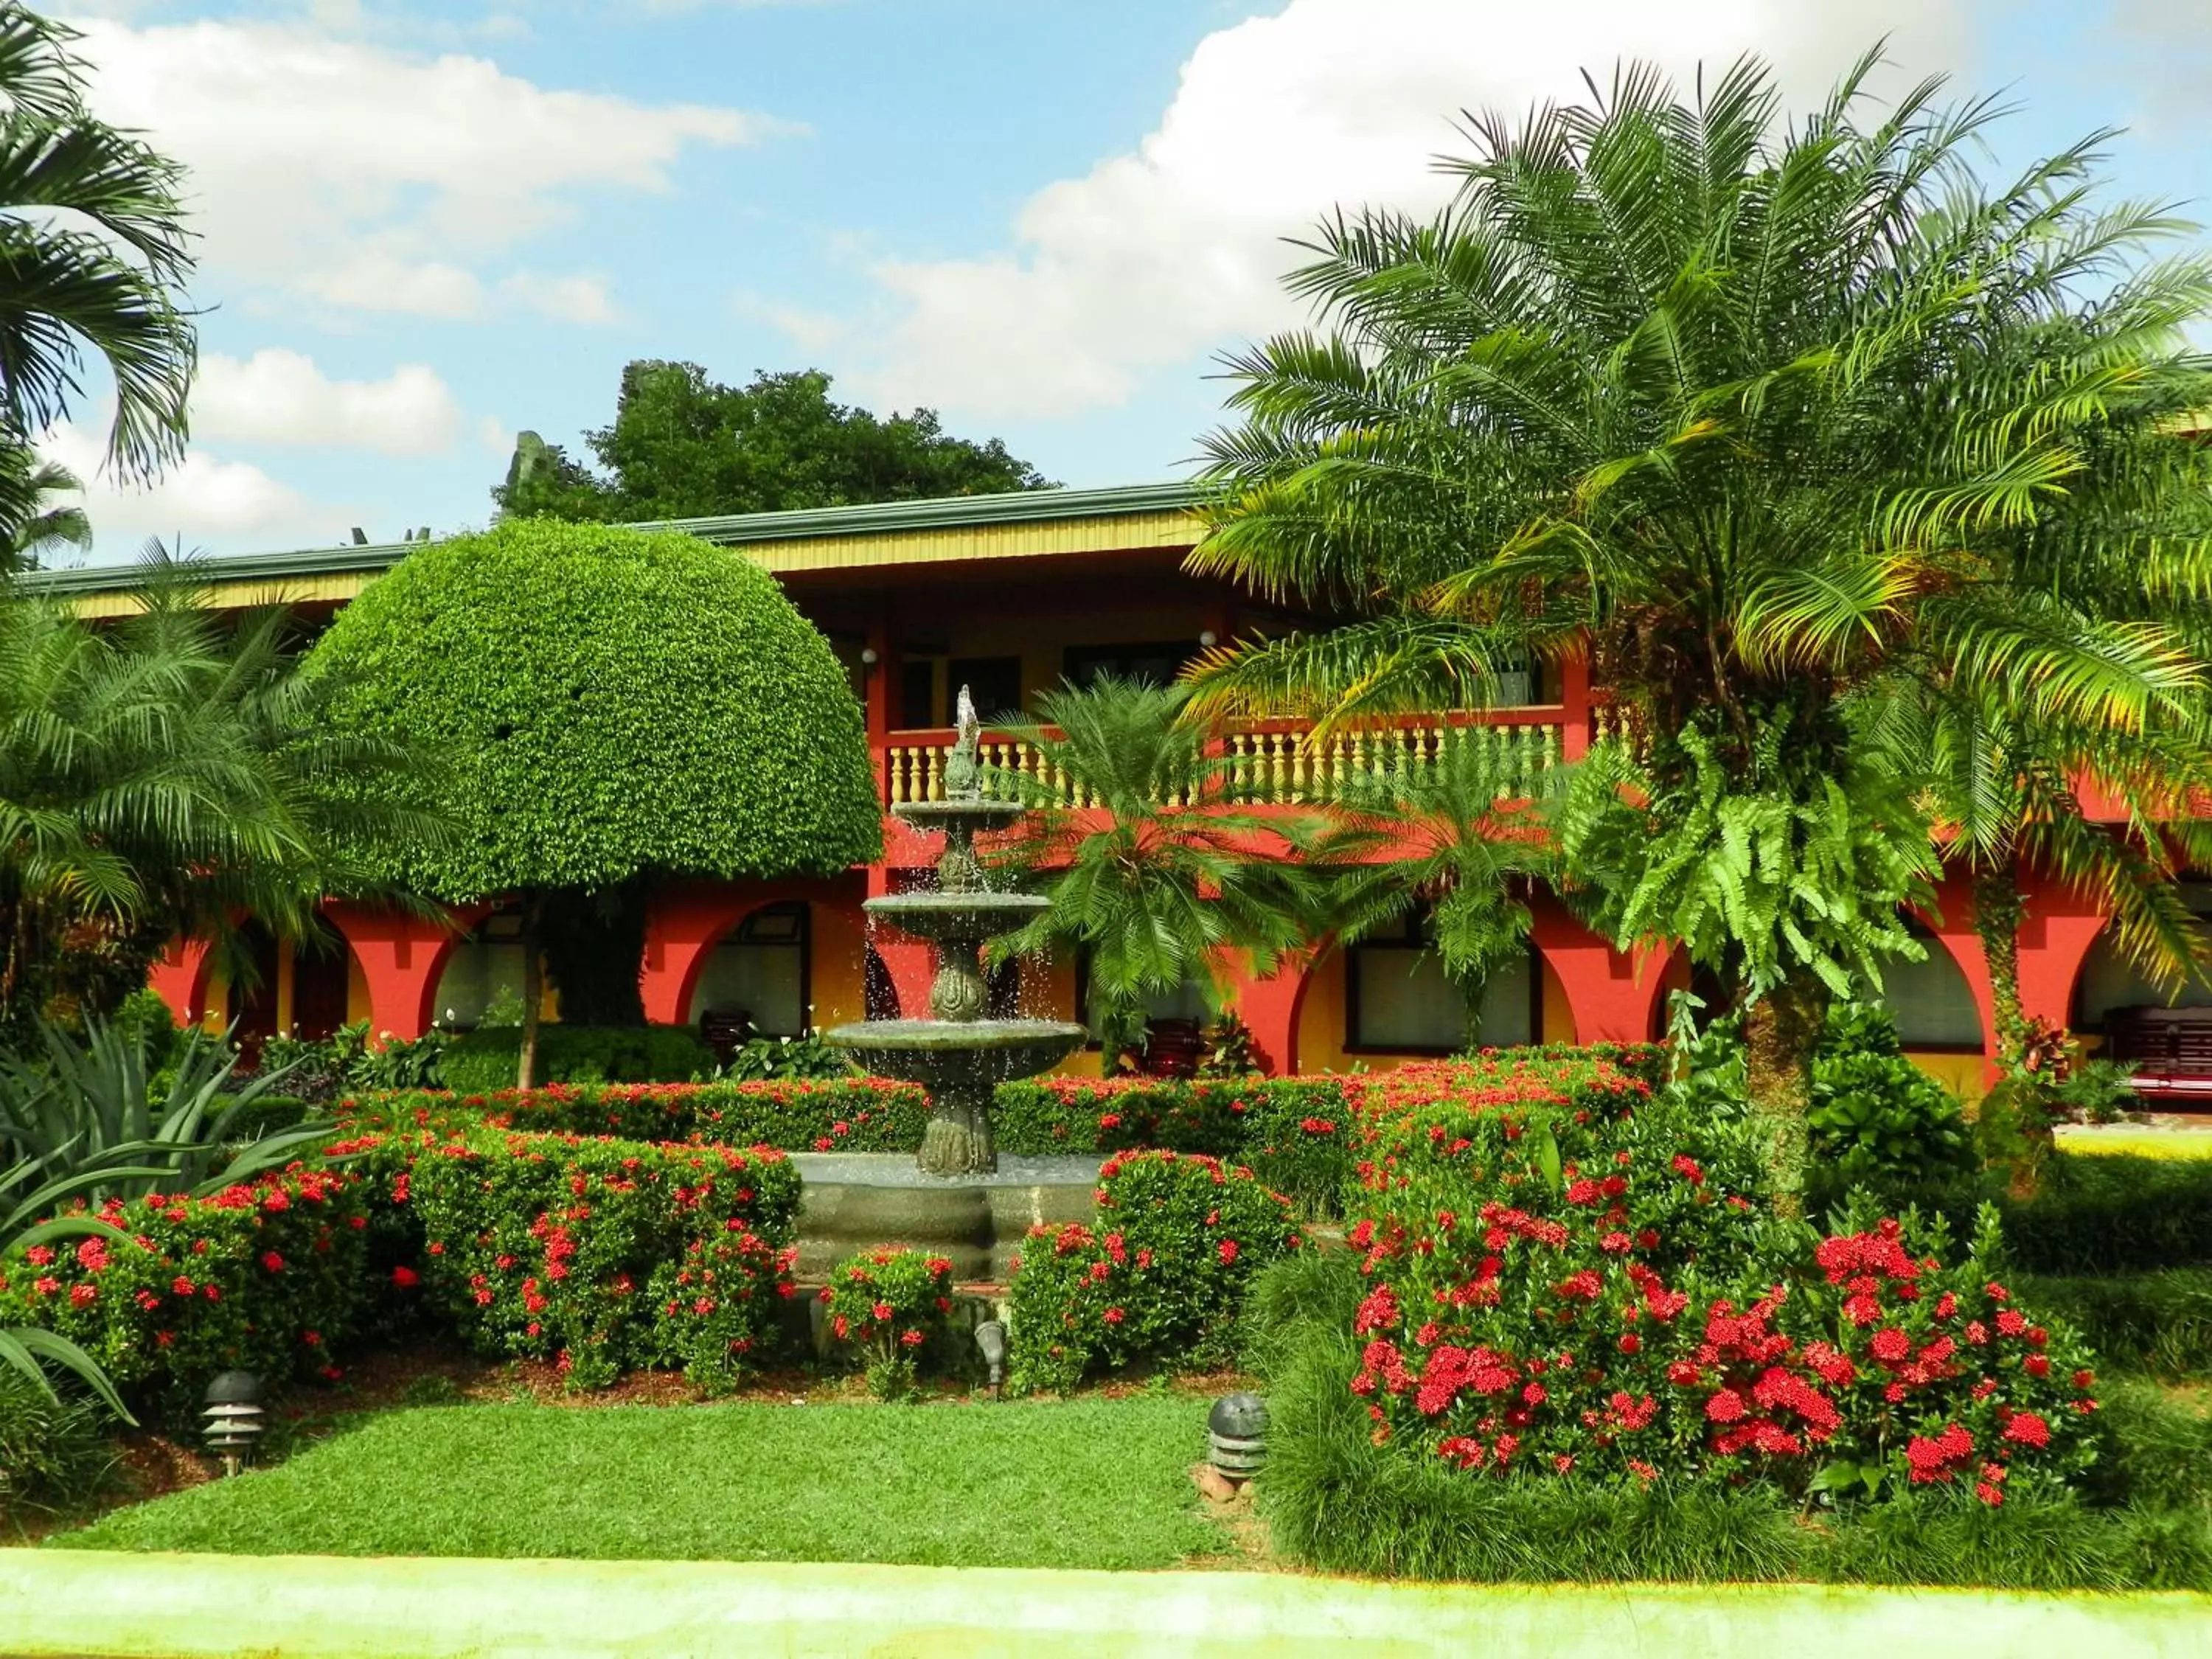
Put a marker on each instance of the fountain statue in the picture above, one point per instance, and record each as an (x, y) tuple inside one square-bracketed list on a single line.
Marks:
[(957, 1053)]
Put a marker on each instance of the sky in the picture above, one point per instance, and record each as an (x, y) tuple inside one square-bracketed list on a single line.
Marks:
[(424, 227)]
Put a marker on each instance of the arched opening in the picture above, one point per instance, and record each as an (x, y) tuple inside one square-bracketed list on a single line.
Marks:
[(879, 990), (756, 978), (1397, 1000), (482, 973), (252, 1004), (1931, 1000), (2118, 1004), (322, 977)]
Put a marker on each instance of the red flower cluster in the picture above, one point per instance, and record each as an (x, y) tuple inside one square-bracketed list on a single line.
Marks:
[(887, 1304)]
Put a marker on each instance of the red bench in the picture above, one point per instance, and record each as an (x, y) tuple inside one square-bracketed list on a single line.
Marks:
[(2169, 1047)]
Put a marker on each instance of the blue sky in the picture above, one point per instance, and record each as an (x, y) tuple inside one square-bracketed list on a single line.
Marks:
[(428, 226)]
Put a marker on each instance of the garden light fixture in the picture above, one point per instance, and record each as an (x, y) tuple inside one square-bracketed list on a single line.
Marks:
[(991, 1338), (1236, 1435), (234, 1418)]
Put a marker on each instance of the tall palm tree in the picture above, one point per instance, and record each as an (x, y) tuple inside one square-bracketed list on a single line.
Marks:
[(167, 775), (93, 254), (34, 528), (1750, 411), (1154, 873)]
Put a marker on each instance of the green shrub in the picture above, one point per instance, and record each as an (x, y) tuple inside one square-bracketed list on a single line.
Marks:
[(885, 1305), (861, 1115), (553, 1247), (54, 1452), (610, 703), (2112, 1213), (1292, 1132), (785, 1059), (2159, 1321), (481, 1061), (1158, 1279), (267, 1277)]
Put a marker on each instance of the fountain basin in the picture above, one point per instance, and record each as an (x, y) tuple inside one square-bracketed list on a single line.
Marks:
[(943, 917), (854, 1202), (935, 1052), (978, 814)]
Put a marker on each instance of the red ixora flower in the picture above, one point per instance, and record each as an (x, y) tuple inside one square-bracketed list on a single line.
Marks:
[(405, 1278), (1228, 1251), (273, 1261)]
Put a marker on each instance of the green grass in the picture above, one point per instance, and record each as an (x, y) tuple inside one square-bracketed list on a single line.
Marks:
[(2160, 1321), (1090, 1484)]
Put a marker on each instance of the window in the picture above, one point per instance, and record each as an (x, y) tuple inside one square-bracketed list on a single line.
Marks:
[(760, 972), (1397, 1000), (1930, 1000), (917, 694), (993, 683), (1152, 665)]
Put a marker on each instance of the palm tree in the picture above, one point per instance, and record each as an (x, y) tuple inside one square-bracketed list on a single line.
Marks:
[(93, 252), (1442, 834), (1750, 412), (1151, 870), (33, 528), (167, 775)]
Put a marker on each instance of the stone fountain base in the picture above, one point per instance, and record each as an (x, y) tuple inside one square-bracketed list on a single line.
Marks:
[(854, 1202)]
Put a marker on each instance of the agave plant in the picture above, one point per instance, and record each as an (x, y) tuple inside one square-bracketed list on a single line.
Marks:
[(89, 1110), (82, 1124)]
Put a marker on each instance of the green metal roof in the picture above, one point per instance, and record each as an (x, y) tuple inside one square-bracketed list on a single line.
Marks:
[(945, 513)]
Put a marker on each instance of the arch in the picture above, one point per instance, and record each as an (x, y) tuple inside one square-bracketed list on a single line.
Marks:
[(1613, 996), (402, 956), (1932, 999), (180, 978), (775, 930), (1272, 1008), (686, 920)]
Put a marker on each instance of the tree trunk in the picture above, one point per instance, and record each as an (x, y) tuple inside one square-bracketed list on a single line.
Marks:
[(533, 990), (1780, 1032), (1998, 911), (2013, 1123)]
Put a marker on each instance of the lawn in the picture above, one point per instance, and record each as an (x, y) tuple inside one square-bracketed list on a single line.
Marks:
[(1089, 1484)]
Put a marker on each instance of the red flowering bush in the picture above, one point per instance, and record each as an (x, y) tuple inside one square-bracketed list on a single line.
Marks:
[(266, 1277), (554, 1246), (1594, 1289), (885, 1304), (1158, 1277)]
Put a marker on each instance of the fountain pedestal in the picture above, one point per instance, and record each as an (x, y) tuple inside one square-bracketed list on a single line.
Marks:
[(959, 1056)]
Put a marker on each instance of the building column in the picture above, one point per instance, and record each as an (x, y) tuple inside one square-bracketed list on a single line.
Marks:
[(180, 978), (2061, 926), (1952, 924), (401, 956), (911, 963), (1270, 1008), (1614, 997)]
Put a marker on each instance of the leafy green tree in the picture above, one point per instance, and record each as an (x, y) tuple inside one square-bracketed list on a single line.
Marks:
[(36, 528), (682, 446), (93, 253), (1750, 411), (1151, 866), (611, 707), (166, 774), (1446, 836)]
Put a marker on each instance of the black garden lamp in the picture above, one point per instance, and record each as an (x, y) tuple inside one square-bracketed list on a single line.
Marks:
[(234, 1418), (1236, 1436)]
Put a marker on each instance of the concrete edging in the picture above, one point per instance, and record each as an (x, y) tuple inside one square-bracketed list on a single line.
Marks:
[(123, 1606)]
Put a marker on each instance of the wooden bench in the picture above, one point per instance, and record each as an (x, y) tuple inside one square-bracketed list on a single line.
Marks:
[(2169, 1047), (1173, 1048)]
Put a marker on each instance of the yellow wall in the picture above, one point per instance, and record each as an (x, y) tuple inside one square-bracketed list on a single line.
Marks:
[(1960, 1073), (1321, 1026), (837, 978)]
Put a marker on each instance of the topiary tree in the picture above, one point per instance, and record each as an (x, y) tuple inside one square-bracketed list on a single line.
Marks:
[(610, 706)]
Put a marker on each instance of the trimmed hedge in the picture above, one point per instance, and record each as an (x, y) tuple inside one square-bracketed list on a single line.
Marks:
[(482, 1061), (2108, 1213), (607, 703), (859, 1114)]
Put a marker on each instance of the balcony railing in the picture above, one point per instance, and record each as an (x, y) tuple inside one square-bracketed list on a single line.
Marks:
[(1269, 763)]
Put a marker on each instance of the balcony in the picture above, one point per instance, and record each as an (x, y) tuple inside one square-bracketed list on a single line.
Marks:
[(1274, 763)]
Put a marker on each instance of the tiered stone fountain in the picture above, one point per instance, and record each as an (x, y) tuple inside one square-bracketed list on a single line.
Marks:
[(957, 1053)]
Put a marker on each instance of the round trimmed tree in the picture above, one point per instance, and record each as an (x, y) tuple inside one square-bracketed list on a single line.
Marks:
[(610, 705)]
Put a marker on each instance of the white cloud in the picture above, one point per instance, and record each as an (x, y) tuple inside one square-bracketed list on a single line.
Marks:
[(203, 501), (565, 299), (810, 331), (361, 175), (1155, 255), (279, 396)]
